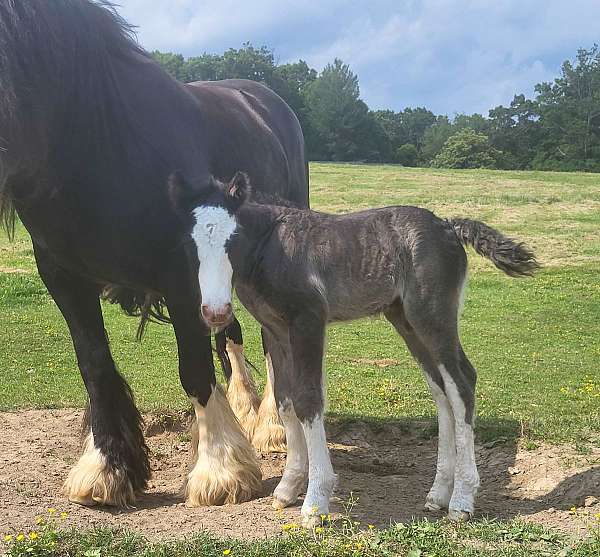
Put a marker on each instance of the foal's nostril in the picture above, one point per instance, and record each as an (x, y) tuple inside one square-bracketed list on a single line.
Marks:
[(220, 315)]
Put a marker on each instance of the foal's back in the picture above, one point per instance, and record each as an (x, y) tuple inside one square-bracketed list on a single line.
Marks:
[(360, 263)]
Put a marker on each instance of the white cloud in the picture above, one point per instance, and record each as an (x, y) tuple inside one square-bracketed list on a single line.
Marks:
[(449, 55)]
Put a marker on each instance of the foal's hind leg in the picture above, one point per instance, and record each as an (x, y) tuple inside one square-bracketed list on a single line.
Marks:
[(269, 434), (114, 464), (448, 369), (443, 484)]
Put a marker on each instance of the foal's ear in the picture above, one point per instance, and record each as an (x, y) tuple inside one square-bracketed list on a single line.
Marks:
[(238, 187), (181, 192)]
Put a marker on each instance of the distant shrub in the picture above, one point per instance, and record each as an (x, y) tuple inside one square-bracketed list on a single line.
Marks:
[(407, 155), (467, 149)]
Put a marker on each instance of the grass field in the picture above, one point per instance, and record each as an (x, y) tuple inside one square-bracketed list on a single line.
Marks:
[(535, 342)]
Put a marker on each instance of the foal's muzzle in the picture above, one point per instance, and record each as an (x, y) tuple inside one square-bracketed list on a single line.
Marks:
[(217, 318)]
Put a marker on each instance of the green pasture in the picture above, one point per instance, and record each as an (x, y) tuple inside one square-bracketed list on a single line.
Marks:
[(535, 343)]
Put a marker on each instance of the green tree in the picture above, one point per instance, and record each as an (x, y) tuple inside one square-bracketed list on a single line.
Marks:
[(467, 149), (172, 63), (338, 116), (435, 137), (516, 131), (407, 155), (569, 112)]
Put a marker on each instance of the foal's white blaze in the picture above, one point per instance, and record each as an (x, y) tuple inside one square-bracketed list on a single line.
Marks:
[(466, 478), (214, 227), (321, 478)]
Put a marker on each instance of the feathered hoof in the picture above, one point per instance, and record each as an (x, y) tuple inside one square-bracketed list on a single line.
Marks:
[(226, 468), (269, 433), (213, 483), (92, 482)]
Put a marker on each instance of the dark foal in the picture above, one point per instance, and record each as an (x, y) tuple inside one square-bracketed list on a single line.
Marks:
[(298, 270)]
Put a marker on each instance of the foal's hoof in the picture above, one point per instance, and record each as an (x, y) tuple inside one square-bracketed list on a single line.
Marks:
[(432, 506), (459, 516), (278, 504)]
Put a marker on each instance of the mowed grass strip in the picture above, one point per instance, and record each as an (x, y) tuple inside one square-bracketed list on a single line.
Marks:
[(484, 538), (534, 342)]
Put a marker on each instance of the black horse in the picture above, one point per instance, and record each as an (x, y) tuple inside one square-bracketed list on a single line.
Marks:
[(90, 128), (297, 270)]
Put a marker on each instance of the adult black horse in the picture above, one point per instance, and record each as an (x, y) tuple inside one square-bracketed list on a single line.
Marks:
[(90, 128)]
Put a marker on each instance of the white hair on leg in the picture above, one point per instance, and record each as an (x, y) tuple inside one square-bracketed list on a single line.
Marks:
[(269, 434), (441, 490), (466, 477), (295, 474), (241, 391), (91, 482), (226, 468), (321, 478)]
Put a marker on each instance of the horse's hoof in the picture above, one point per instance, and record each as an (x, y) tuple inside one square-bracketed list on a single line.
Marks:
[(83, 500), (311, 521), (268, 435), (92, 482), (459, 516), (278, 504), (431, 506)]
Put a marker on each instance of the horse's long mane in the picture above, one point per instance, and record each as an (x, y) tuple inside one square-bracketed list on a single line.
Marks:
[(64, 54), (72, 67)]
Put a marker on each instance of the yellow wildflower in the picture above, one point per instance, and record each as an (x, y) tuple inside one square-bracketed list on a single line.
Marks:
[(51, 510), (63, 515), (371, 526), (20, 537), (33, 535), (290, 526), (319, 529), (7, 538), (226, 551)]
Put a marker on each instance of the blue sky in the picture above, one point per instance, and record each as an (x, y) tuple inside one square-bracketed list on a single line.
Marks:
[(448, 55)]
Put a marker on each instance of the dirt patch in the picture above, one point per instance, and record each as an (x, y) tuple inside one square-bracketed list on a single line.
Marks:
[(386, 468), (13, 270)]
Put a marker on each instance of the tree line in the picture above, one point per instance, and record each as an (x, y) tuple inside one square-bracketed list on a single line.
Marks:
[(558, 129)]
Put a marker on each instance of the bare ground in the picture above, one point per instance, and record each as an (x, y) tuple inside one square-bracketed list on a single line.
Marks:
[(386, 468)]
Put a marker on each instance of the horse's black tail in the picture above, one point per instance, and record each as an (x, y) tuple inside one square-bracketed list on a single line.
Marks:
[(514, 258)]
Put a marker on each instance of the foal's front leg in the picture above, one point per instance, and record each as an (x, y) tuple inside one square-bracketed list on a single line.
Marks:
[(226, 468), (307, 337)]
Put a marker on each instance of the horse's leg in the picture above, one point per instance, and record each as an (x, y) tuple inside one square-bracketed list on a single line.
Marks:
[(307, 338), (241, 390), (269, 434), (443, 484), (293, 481), (226, 469), (114, 464), (435, 325)]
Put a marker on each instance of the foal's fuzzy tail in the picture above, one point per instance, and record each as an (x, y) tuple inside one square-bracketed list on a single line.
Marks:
[(514, 258)]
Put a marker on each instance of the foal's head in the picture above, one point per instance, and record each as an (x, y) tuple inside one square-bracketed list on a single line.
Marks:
[(209, 213)]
